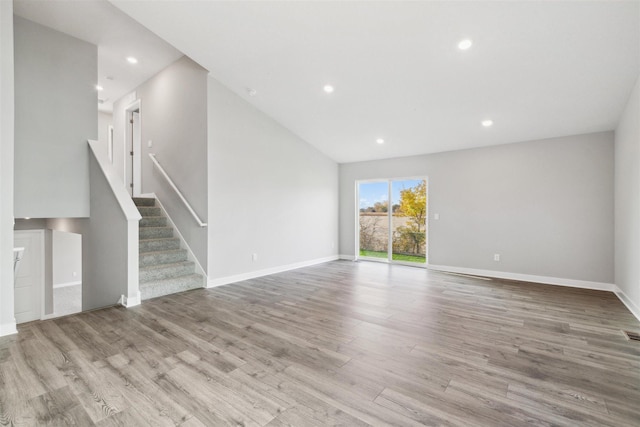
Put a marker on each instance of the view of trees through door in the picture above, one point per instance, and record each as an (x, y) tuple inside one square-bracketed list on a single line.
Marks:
[(393, 220)]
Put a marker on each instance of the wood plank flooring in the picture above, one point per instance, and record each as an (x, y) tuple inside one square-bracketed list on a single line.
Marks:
[(341, 343)]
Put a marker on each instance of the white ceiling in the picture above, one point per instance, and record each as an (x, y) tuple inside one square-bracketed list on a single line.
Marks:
[(537, 69), (116, 35)]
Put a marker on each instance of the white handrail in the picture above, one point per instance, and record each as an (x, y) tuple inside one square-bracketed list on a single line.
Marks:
[(193, 213)]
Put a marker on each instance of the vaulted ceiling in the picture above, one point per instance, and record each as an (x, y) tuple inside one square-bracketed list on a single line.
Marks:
[(536, 69), (116, 35)]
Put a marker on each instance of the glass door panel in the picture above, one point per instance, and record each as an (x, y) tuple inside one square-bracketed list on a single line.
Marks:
[(373, 219), (409, 220)]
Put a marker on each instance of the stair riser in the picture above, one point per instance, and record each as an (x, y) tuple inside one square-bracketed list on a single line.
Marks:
[(153, 221), (147, 211), (144, 201), (155, 233), (159, 245), (166, 273), (153, 290), (155, 258)]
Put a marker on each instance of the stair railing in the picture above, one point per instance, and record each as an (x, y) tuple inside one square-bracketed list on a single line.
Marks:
[(173, 185)]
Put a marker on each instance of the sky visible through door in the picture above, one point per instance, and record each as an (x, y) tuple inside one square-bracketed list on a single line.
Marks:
[(378, 191)]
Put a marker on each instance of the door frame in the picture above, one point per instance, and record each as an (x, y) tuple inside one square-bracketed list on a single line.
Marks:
[(136, 144), (389, 259), (40, 287)]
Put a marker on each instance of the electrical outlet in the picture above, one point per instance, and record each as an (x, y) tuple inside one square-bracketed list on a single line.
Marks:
[(75, 274), (496, 257), (436, 216), (254, 257)]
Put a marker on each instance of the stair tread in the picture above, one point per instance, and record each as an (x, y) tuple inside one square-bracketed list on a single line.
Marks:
[(166, 251), (144, 200), (167, 265), (182, 278), (158, 238)]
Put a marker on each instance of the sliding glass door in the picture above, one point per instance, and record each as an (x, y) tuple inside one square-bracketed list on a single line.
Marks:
[(392, 220)]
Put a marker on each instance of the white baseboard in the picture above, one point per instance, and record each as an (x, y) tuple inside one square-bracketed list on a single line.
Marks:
[(267, 271), (8, 328), (49, 316), (633, 308), (64, 285), (131, 301), (147, 195), (584, 284), (347, 257)]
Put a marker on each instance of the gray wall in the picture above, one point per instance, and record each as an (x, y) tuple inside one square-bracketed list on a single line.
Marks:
[(545, 206), (7, 320), (174, 116), (627, 207), (270, 192), (55, 114)]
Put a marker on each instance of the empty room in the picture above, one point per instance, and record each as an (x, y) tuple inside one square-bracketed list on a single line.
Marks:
[(312, 213)]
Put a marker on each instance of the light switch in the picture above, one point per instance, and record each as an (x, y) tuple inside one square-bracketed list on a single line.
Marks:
[(436, 216), (150, 144)]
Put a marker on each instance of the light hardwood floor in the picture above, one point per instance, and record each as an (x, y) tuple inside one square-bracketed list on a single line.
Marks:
[(340, 343)]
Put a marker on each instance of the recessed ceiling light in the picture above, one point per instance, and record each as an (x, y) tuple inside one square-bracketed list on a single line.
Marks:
[(132, 60), (328, 88), (251, 92), (380, 141), (99, 88), (487, 123), (465, 44)]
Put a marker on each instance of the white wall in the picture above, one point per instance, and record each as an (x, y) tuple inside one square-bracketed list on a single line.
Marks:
[(545, 206), (7, 320), (173, 114), (627, 206), (55, 114), (67, 258), (270, 193)]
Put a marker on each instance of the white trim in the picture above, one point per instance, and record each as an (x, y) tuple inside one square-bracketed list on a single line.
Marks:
[(634, 309), (183, 242), (64, 285), (110, 143), (8, 328), (136, 160), (51, 316), (130, 301), (147, 195), (267, 271), (572, 283), (347, 257)]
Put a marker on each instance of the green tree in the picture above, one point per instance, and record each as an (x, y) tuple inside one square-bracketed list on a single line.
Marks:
[(413, 204)]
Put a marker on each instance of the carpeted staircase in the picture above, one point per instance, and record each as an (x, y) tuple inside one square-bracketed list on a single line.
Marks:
[(164, 266)]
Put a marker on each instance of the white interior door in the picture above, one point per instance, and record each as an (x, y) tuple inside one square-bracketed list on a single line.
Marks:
[(29, 281)]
